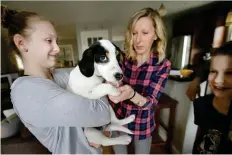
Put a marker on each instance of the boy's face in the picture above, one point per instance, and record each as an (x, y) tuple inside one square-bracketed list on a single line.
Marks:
[(220, 77)]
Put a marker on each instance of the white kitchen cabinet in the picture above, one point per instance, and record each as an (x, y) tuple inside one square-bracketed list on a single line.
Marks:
[(185, 129)]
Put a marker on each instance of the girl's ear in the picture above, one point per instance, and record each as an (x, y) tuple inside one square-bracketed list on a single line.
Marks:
[(20, 43)]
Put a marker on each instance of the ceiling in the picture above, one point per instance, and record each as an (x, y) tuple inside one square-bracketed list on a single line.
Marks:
[(67, 14)]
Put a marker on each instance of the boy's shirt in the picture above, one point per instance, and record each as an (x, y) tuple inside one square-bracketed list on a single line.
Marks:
[(215, 128)]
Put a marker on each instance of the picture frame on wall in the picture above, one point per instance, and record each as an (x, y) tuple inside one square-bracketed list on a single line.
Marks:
[(66, 56)]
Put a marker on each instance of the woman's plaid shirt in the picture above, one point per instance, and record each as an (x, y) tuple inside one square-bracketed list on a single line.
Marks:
[(148, 80)]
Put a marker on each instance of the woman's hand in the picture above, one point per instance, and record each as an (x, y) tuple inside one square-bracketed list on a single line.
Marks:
[(126, 93)]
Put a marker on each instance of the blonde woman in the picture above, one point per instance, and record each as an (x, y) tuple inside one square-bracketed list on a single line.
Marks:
[(145, 74)]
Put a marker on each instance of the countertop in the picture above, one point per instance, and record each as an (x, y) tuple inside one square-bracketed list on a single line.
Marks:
[(180, 79)]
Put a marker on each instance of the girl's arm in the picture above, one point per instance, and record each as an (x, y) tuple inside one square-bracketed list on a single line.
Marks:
[(43, 103)]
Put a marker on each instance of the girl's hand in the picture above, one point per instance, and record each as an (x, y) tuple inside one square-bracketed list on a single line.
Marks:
[(126, 93)]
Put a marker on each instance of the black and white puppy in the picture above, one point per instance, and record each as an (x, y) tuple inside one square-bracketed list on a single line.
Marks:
[(98, 64)]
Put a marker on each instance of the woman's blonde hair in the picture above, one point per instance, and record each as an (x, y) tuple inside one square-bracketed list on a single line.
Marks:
[(159, 45)]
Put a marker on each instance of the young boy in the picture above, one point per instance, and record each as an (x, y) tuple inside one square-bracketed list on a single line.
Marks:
[(213, 113)]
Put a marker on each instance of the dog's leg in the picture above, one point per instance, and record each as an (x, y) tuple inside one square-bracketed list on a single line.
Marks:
[(97, 137), (93, 135), (116, 127), (102, 90), (115, 120), (121, 140)]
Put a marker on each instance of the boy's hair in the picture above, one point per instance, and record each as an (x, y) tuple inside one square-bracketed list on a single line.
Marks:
[(225, 49)]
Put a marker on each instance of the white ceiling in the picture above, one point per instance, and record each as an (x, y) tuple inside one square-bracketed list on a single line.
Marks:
[(67, 14)]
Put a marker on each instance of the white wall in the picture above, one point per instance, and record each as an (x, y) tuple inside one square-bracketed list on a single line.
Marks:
[(190, 132), (73, 42), (185, 129), (89, 27), (116, 32), (177, 90), (191, 128)]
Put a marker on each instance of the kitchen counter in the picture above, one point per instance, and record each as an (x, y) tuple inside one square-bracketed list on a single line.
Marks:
[(180, 79), (185, 129)]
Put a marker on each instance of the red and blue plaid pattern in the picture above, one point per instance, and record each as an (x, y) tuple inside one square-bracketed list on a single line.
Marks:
[(148, 80)]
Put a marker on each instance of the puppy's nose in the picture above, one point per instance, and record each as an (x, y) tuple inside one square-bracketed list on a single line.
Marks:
[(118, 76)]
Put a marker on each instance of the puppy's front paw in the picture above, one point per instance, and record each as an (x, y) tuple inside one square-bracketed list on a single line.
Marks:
[(124, 139), (126, 120), (131, 118), (113, 91)]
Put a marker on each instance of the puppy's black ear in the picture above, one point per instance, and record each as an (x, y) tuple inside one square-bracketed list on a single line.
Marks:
[(117, 48), (86, 64)]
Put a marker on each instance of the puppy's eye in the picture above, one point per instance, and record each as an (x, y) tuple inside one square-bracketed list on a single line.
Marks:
[(103, 58)]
